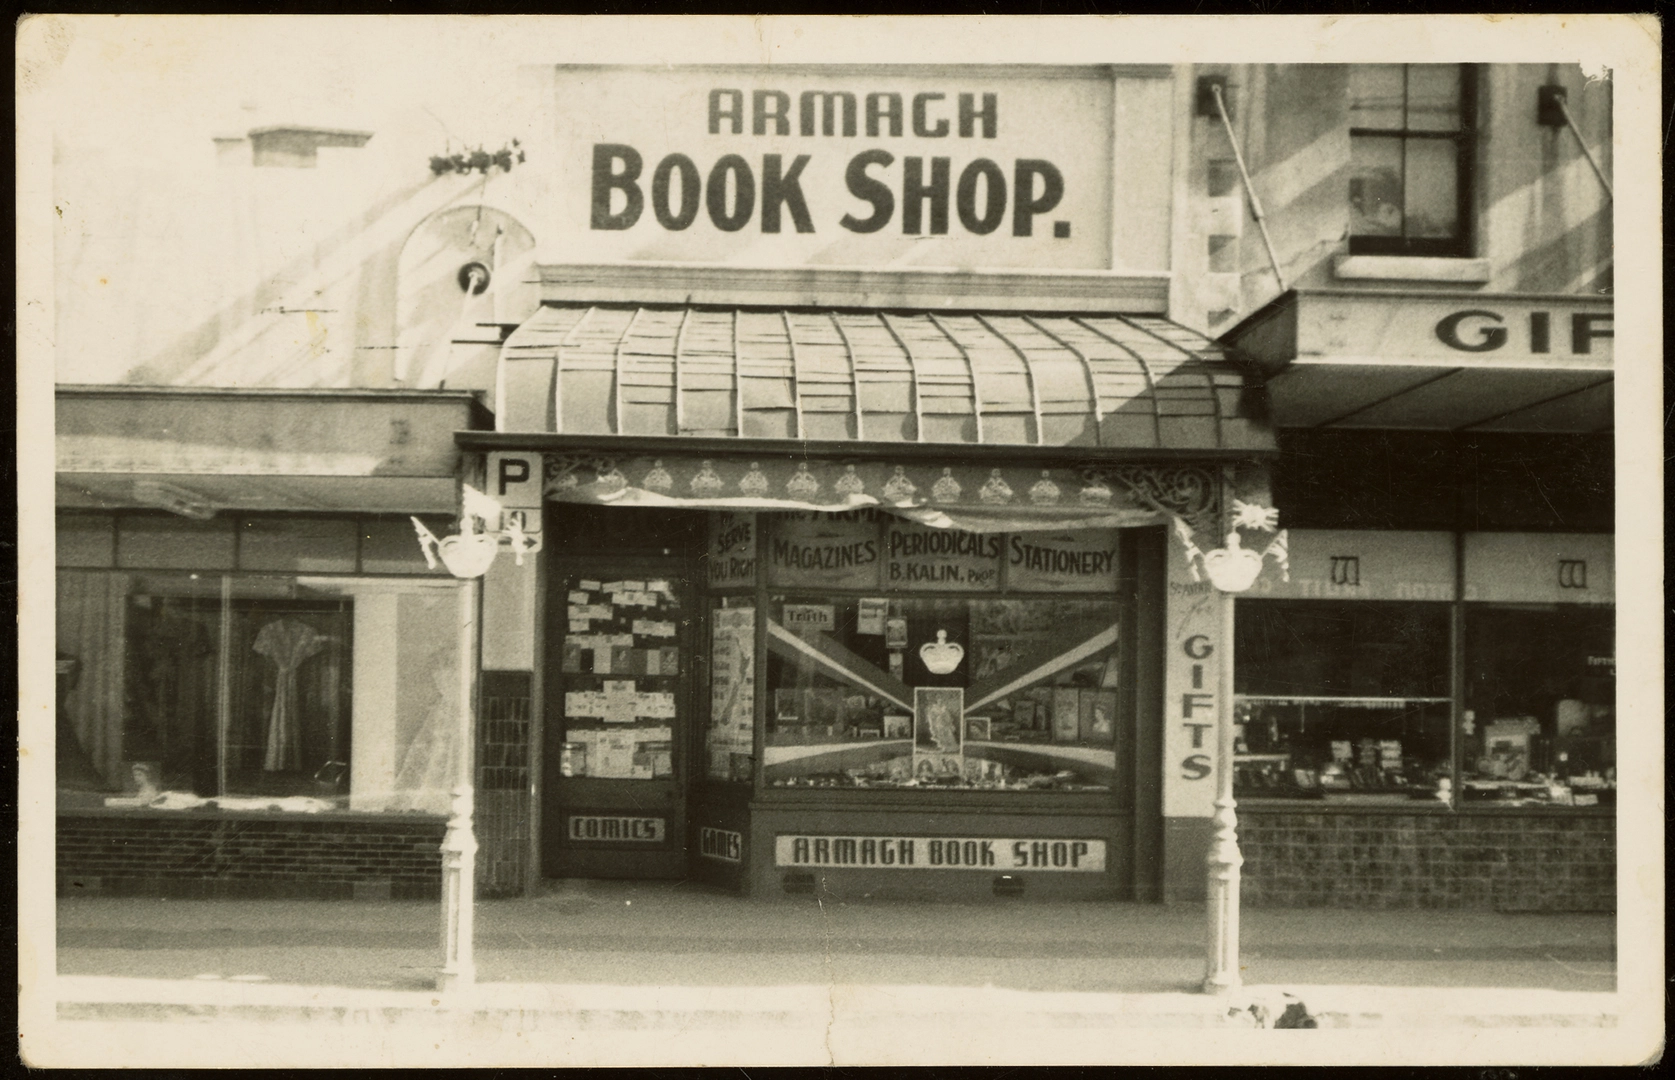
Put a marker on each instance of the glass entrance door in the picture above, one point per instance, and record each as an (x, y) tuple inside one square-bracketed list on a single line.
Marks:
[(618, 680)]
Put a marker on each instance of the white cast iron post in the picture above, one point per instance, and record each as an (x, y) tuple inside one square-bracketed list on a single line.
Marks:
[(459, 843), (1221, 973)]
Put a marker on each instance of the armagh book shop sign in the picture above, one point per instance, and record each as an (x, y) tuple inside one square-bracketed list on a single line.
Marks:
[(940, 853), (843, 166)]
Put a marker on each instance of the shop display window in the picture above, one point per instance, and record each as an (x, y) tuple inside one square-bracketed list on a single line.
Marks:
[(1342, 701), (1010, 694), (195, 691), (1539, 724)]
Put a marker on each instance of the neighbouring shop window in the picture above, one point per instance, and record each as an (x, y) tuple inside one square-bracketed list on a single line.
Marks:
[(728, 740), (205, 690), (1344, 701), (1410, 145), (1540, 717), (1014, 694)]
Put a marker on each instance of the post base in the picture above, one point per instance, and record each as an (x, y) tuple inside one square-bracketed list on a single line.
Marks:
[(455, 981)]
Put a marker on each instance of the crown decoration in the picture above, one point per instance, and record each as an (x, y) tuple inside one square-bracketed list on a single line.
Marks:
[(707, 483), (1233, 568), (1096, 493), (849, 483), (658, 479), (611, 481), (1044, 492), (996, 492), (946, 489), (802, 485), (899, 488), (755, 482), (941, 656)]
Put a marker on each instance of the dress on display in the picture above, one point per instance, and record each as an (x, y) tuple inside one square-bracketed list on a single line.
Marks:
[(288, 644)]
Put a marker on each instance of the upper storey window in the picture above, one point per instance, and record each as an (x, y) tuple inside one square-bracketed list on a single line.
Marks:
[(1410, 138)]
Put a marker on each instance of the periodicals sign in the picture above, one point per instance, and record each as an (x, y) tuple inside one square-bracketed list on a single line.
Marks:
[(941, 853)]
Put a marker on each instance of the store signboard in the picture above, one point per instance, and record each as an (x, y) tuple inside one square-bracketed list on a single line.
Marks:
[(1477, 331), (921, 557), (1051, 854), (839, 166), (1540, 568), (839, 551), (1191, 688), (1080, 561), (612, 829), (1350, 564), (732, 551), (723, 845)]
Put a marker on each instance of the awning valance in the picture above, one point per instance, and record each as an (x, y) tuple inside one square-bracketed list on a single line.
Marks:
[(1130, 383), (973, 498)]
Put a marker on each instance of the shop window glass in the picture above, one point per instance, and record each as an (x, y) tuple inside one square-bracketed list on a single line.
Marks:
[(195, 691), (996, 694), (1410, 158), (1347, 701), (305, 545), (1540, 718)]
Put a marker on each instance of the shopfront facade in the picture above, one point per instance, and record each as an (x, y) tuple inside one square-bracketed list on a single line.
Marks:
[(857, 441)]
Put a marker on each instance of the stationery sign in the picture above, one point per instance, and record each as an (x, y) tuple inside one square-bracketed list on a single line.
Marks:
[(922, 557), (1081, 561), (1055, 854)]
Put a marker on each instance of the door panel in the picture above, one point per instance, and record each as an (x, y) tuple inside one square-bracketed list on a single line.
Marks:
[(617, 715)]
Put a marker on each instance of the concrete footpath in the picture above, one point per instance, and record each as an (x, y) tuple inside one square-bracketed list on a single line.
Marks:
[(602, 957)]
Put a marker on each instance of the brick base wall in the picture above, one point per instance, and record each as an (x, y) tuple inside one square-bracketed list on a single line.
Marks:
[(1511, 862), (503, 814), (329, 859)]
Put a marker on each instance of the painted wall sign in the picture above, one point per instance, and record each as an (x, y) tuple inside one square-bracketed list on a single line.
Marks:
[(922, 557), (732, 550), (722, 845), (835, 166), (837, 550), (1080, 561), (1055, 854), (612, 829), (1348, 564), (1540, 568)]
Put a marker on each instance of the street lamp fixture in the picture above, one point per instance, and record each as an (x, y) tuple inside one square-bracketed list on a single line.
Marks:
[(1232, 569), (467, 556)]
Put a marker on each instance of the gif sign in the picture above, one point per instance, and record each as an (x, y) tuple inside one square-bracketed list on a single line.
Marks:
[(514, 480)]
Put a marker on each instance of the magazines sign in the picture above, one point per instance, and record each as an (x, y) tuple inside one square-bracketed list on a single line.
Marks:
[(1055, 854)]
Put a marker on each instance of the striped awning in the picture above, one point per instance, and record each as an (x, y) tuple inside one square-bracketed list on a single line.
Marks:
[(1129, 382)]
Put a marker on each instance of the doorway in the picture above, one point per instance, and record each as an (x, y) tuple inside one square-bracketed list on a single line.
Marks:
[(617, 705)]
